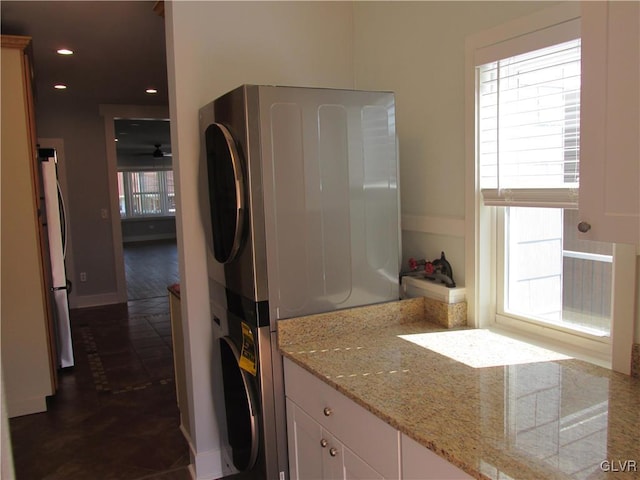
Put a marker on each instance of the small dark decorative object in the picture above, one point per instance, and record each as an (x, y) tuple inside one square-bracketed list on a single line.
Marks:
[(439, 269)]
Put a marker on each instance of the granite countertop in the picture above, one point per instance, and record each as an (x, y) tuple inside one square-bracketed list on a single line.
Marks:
[(490, 405), (174, 289)]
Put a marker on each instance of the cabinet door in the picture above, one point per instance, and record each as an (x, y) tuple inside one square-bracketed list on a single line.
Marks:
[(332, 457), (610, 121), (366, 435), (420, 463), (305, 449), (26, 342), (315, 454), (357, 469)]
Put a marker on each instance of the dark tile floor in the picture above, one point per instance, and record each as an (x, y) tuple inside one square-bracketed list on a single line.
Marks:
[(114, 415)]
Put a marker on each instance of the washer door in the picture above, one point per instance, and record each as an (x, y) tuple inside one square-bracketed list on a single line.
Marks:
[(241, 407), (226, 192)]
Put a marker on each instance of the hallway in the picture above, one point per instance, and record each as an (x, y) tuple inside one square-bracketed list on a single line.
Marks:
[(115, 414)]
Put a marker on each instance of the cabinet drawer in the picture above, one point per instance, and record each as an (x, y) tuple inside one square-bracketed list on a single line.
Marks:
[(373, 440)]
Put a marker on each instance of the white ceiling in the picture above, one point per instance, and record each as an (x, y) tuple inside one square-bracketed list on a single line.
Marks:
[(119, 50)]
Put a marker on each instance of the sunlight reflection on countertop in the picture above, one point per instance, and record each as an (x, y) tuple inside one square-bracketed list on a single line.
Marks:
[(493, 406), (470, 347)]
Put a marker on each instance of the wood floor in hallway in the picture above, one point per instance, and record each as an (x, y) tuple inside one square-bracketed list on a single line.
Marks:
[(150, 267)]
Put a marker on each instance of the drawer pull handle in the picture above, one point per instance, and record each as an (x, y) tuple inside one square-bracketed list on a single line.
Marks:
[(584, 227), (333, 451), (324, 443), (327, 411)]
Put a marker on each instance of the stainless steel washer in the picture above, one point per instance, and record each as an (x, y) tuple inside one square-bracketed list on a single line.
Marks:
[(300, 207), (248, 397)]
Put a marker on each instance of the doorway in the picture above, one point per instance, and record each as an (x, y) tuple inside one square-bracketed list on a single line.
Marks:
[(147, 207), (141, 230)]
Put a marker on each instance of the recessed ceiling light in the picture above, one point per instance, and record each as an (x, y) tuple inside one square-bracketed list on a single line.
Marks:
[(65, 51), (151, 91), (60, 87)]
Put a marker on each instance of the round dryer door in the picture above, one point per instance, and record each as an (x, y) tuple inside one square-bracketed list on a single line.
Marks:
[(240, 406), (226, 192)]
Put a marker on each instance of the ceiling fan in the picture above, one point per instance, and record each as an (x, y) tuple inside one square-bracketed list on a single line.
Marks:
[(156, 153)]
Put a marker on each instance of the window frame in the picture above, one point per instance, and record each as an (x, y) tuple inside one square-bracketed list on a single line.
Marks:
[(484, 259), (596, 347), (129, 194)]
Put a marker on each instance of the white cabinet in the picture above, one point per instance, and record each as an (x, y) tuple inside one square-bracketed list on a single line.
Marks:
[(420, 463), (331, 437), (610, 121), (27, 341), (316, 454), (304, 437), (355, 468)]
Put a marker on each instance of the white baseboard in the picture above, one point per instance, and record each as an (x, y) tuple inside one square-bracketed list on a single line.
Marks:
[(192, 472), (149, 238), (187, 437), (85, 301), (26, 406), (208, 465)]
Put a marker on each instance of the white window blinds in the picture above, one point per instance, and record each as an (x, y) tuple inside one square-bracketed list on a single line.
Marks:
[(529, 127)]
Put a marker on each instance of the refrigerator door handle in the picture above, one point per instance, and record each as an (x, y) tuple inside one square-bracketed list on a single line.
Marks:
[(68, 287)]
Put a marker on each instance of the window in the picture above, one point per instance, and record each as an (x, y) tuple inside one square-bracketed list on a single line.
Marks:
[(529, 149), (532, 273), (146, 193), (528, 132), (552, 277)]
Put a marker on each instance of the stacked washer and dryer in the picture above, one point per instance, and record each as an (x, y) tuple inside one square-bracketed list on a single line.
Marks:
[(301, 212)]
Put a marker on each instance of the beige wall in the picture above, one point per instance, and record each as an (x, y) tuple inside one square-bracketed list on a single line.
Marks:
[(417, 50), (213, 47), (73, 117), (413, 48), (82, 129)]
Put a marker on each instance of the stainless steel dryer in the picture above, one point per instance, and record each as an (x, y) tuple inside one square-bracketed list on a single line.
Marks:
[(301, 213)]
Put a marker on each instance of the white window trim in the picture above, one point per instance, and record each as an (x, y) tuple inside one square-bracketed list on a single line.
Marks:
[(480, 234), (571, 342)]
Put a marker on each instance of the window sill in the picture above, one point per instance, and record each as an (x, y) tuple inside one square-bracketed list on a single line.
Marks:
[(590, 351)]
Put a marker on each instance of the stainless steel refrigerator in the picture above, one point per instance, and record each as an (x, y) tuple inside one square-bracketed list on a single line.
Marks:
[(55, 222)]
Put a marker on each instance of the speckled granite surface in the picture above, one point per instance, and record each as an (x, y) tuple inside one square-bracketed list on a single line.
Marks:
[(635, 360), (493, 406), (446, 314)]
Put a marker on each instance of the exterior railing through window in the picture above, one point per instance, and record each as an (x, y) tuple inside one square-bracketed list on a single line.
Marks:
[(146, 193)]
